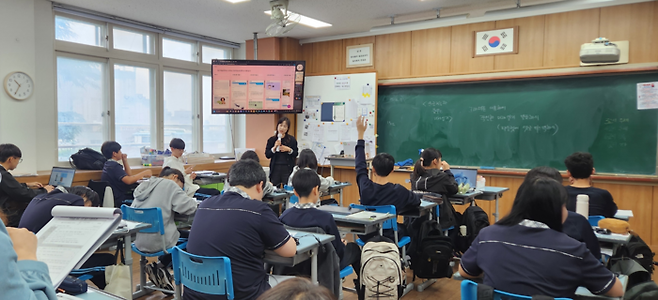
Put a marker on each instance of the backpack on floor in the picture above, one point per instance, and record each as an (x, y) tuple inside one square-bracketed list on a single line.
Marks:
[(381, 272), (643, 291), (475, 219), (433, 252), (87, 159)]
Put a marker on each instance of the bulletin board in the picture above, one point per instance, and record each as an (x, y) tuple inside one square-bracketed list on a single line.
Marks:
[(332, 104)]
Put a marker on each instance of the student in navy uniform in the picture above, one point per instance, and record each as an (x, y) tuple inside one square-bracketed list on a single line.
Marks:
[(576, 226), (239, 226), (39, 213), (379, 190), (429, 177), (580, 167), (117, 176), (15, 196), (307, 160), (282, 160), (305, 214), (527, 253)]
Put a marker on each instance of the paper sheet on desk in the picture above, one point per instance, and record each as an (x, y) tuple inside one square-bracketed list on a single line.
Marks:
[(367, 215)]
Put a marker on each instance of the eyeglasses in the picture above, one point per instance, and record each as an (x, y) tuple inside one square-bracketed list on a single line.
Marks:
[(20, 160)]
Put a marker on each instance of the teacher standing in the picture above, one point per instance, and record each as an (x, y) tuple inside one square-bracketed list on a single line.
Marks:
[(281, 149)]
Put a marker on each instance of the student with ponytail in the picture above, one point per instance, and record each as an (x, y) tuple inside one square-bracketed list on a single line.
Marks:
[(428, 176)]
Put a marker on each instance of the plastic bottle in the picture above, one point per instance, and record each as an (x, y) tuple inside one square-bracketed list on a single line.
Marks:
[(582, 205)]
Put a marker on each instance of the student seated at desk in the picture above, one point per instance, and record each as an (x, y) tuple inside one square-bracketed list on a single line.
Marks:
[(305, 214), (250, 154), (307, 160), (118, 176), (39, 213), (167, 194), (379, 190), (429, 177), (15, 196), (580, 167), (239, 226), (526, 252), (576, 226), (176, 161), (21, 275)]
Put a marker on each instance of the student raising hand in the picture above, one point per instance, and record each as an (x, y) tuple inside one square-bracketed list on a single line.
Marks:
[(361, 126)]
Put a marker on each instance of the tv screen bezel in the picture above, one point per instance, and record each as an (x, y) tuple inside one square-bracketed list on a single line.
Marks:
[(246, 62)]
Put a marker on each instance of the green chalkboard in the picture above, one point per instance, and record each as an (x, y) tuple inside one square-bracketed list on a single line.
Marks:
[(523, 124)]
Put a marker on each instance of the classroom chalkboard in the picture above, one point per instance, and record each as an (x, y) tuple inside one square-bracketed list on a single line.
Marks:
[(523, 123)]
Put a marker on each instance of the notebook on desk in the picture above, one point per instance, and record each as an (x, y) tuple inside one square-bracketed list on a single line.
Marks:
[(61, 177)]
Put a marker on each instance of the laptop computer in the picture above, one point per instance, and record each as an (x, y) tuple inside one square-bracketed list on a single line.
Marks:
[(465, 175), (61, 177)]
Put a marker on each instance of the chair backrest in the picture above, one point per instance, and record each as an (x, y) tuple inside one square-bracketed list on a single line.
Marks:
[(469, 291), (108, 200), (151, 215), (594, 220), (209, 275), (390, 209), (98, 187)]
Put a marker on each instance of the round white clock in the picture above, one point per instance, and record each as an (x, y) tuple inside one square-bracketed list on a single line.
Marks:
[(19, 85)]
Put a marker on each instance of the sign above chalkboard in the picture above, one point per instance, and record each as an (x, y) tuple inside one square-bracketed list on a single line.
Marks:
[(359, 56)]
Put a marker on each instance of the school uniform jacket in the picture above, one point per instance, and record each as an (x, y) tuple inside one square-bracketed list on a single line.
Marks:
[(436, 181), (15, 196)]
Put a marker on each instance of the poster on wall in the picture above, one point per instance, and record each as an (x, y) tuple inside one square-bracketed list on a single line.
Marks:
[(497, 41)]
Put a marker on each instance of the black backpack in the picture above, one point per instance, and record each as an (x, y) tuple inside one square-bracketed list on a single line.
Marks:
[(87, 159), (643, 291), (475, 219), (638, 250), (433, 252)]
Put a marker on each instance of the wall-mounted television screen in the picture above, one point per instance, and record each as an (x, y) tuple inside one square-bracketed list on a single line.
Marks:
[(257, 86)]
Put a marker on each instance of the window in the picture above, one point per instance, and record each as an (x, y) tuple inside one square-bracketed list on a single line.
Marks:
[(178, 49), (209, 53), (81, 89), (129, 40), (178, 116), (215, 127), (133, 98), (77, 31)]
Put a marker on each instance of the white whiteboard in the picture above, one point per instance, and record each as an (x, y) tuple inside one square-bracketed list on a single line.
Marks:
[(352, 95)]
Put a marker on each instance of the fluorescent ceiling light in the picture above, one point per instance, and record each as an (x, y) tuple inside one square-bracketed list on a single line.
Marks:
[(310, 22), (235, 1)]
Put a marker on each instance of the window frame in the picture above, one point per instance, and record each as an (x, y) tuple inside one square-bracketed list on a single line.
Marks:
[(155, 61)]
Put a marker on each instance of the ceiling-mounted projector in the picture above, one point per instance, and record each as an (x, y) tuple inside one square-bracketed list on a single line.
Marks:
[(600, 50)]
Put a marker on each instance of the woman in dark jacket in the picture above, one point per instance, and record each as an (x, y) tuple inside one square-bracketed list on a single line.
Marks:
[(281, 149)]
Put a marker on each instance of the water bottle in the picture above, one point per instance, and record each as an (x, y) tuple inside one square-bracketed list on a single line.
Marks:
[(582, 205)]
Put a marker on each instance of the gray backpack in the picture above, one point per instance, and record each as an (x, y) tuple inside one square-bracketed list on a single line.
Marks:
[(643, 291), (381, 271)]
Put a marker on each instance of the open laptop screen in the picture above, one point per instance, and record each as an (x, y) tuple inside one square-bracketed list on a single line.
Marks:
[(61, 177), (463, 175)]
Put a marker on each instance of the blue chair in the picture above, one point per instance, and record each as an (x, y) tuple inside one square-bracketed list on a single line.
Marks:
[(469, 291), (594, 220), (209, 275), (388, 224), (153, 216)]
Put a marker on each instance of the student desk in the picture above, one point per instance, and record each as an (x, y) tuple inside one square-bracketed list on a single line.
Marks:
[(624, 214), (93, 294), (466, 198), (422, 210), (615, 239), (307, 248), (353, 225), (492, 193), (336, 188), (583, 293), (203, 179), (278, 198)]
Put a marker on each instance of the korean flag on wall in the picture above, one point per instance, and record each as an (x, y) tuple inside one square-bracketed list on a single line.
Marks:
[(497, 41)]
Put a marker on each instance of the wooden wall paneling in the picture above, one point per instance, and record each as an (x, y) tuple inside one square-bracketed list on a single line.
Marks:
[(327, 56), (307, 55), (631, 22), (531, 44), (505, 202), (565, 32), (637, 198), (354, 42), (654, 38), (290, 49), (393, 55), (430, 51), (461, 51), (268, 48)]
